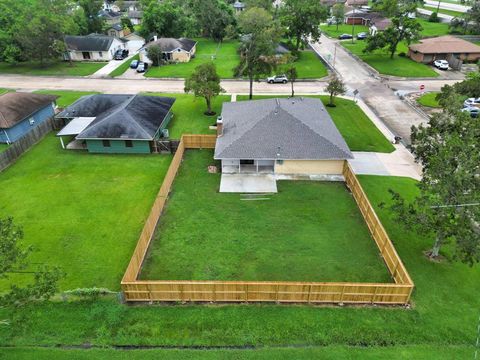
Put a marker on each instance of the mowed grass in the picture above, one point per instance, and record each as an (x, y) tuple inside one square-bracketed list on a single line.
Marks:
[(82, 212), (431, 29), (3, 147), (188, 114), (223, 55), (355, 126), (66, 97), (123, 67), (429, 100), (331, 30), (309, 66), (308, 231), (444, 11), (398, 66), (58, 69), (443, 318)]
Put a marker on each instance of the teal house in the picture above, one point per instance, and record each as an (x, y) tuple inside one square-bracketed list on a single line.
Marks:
[(105, 123)]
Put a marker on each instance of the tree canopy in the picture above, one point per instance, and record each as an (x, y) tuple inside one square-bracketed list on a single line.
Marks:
[(213, 17), (166, 19)]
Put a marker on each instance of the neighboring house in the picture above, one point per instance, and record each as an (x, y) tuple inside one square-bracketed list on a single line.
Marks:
[(135, 16), (289, 136), (111, 17), (116, 123), (95, 47), (173, 50), (134, 42), (444, 48), (116, 30), (21, 112), (238, 7), (363, 17), (379, 24), (352, 3)]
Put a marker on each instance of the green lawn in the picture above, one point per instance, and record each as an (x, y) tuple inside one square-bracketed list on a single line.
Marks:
[(327, 353), (226, 58), (300, 234), (431, 29), (66, 97), (3, 147), (429, 100), (81, 211), (4, 91), (60, 68), (443, 11), (124, 67), (331, 30), (356, 128), (398, 66), (309, 66), (443, 318), (188, 114)]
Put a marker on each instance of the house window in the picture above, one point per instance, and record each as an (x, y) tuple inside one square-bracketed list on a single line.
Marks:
[(106, 143), (247, 162), (86, 55), (100, 54), (128, 143), (31, 121)]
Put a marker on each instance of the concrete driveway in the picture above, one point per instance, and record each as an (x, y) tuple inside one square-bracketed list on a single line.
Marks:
[(248, 183), (111, 65)]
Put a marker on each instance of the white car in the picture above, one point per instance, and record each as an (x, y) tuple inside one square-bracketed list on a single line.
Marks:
[(472, 102), (441, 64), (277, 79), (472, 110)]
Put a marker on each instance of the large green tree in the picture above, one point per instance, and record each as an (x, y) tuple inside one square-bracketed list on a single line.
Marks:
[(301, 18), (205, 82), (91, 8), (213, 17), (447, 207), (166, 18), (257, 48), (402, 28), (14, 261), (338, 12)]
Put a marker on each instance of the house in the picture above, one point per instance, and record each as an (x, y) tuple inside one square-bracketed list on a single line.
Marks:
[(117, 30), (379, 24), (362, 17), (238, 6), (287, 136), (173, 50), (95, 47), (135, 16), (111, 17), (444, 48), (116, 123), (21, 112)]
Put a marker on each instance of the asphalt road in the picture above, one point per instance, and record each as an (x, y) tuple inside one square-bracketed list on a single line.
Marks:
[(447, 6)]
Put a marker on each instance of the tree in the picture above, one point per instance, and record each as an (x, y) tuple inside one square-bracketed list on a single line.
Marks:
[(205, 82), (338, 12), (213, 17), (257, 48), (127, 24), (155, 54), (402, 28), (292, 75), (470, 87), (91, 8), (13, 260), (301, 19), (335, 87), (447, 206), (166, 19), (261, 4)]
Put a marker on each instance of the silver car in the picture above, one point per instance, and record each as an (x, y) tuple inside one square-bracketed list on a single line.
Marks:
[(277, 79)]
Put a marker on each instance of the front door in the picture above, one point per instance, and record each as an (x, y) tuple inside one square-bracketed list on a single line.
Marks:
[(86, 55)]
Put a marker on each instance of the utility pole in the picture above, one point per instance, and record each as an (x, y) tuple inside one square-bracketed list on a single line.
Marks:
[(438, 6)]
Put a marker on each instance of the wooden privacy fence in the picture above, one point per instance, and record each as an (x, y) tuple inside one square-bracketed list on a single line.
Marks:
[(396, 293)]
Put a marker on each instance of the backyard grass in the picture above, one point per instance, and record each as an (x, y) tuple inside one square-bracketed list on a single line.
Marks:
[(82, 212), (3, 147), (223, 55), (398, 66), (60, 68), (66, 97), (123, 67), (331, 30), (441, 324), (429, 100), (309, 231), (188, 114), (356, 128), (431, 29)]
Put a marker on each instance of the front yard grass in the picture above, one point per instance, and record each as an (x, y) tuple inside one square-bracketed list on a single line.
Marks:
[(331, 30), (66, 97), (356, 128), (308, 231), (81, 211), (309, 66), (58, 69), (431, 29), (429, 100), (123, 67), (401, 66)]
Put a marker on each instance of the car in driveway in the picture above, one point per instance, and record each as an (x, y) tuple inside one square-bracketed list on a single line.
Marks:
[(441, 64), (134, 64), (142, 67), (277, 79), (121, 54), (362, 36), (475, 102), (345, 37), (472, 110)]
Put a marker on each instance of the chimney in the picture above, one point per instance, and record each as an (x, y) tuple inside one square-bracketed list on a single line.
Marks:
[(219, 126)]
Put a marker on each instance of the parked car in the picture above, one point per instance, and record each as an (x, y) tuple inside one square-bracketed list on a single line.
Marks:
[(472, 110), (345, 37), (362, 36), (121, 54), (441, 64), (277, 79), (134, 64), (472, 102), (142, 67)]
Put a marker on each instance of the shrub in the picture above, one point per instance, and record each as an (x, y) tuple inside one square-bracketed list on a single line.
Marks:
[(402, 54), (434, 17), (92, 293)]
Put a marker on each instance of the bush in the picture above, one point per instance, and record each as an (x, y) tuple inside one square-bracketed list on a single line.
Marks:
[(434, 17), (402, 54)]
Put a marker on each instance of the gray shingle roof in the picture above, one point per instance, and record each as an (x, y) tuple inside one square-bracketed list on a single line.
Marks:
[(16, 106), (170, 44), (285, 129), (134, 117), (92, 42)]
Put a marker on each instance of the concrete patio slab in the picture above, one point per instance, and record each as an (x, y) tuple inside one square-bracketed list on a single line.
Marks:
[(248, 183)]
